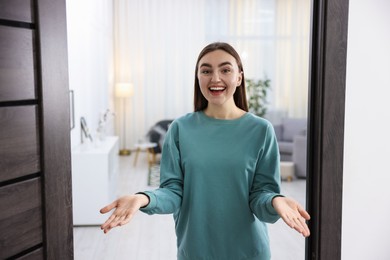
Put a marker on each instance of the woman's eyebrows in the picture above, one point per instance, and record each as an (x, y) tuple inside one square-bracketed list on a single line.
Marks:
[(220, 65)]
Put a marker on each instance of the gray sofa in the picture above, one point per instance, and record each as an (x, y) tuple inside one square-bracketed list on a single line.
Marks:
[(291, 135)]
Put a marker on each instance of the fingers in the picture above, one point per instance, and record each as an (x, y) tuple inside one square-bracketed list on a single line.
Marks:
[(302, 226), (300, 220), (116, 220), (109, 207), (106, 226), (299, 224), (125, 206), (303, 213), (109, 224), (125, 221)]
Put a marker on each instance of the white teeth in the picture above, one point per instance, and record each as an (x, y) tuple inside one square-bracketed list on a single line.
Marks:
[(217, 88)]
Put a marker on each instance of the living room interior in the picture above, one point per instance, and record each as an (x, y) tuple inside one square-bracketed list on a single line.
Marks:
[(149, 50), (347, 158)]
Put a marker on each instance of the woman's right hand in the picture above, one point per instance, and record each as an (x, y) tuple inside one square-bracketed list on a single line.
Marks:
[(125, 207)]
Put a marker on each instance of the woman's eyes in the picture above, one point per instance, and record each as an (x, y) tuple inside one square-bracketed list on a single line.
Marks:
[(224, 71)]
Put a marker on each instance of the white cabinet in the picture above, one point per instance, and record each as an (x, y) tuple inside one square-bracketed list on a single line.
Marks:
[(94, 180)]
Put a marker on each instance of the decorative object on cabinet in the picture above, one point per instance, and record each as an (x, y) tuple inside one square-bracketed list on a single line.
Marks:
[(94, 180), (124, 91), (84, 130), (102, 125)]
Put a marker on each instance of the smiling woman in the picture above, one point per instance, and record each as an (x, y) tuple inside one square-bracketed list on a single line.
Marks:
[(160, 64), (221, 191)]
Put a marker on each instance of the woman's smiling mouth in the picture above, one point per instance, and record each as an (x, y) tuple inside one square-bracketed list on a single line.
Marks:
[(216, 90)]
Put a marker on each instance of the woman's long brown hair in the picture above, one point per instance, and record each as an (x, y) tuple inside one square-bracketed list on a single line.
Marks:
[(200, 102)]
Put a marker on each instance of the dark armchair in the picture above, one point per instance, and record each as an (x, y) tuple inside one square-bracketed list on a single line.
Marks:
[(157, 133)]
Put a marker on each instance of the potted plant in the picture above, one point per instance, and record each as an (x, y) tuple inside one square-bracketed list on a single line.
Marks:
[(257, 95)]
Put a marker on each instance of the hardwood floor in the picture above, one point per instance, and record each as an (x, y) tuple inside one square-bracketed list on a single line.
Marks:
[(153, 237)]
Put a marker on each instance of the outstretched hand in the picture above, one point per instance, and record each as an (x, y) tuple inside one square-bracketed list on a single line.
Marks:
[(125, 208), (292, 213)]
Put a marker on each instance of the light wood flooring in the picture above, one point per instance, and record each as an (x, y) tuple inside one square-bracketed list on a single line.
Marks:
[(153, 237)]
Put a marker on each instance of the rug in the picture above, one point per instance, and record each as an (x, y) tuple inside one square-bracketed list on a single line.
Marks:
[(154, 175)]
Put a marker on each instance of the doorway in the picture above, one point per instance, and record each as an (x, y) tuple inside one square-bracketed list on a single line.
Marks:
[(325, 127)]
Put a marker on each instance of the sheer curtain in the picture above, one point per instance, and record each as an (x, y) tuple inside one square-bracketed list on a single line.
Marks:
[(292, 57), (156, 46), (157, 43)]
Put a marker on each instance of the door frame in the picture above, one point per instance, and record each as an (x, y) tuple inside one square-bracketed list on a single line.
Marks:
[(325, 136), (55, 128), (328, 54)]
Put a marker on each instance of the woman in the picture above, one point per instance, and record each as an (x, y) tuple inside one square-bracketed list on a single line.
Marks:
[(219, 171)]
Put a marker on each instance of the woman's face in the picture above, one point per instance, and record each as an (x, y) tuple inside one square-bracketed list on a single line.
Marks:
[(218, 76)]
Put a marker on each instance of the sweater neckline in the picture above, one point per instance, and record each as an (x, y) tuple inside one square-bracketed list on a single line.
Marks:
[(222, 121)]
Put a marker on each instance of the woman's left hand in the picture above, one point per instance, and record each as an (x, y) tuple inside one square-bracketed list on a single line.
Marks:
[(292, 213)]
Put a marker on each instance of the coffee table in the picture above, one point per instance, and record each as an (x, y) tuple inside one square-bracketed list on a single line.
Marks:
[(287, 170)]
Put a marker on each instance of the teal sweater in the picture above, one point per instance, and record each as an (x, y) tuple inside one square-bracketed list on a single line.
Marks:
[(218, 178)]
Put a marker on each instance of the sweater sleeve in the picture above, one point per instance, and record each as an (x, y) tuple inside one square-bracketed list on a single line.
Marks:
[(266, 183), (167, 198)]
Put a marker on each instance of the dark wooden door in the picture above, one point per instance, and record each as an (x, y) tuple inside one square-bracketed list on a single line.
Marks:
[(35, 167), (328, 63)]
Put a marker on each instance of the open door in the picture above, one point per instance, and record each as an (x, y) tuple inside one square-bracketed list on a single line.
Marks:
[(35, 175)]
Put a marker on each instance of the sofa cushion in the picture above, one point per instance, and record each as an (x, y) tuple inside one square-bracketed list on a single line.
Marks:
[(286, 147), (278, 131), (293, 127), (299, 156)]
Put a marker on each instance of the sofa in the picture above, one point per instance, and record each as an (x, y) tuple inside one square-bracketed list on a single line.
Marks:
[(291, 136)]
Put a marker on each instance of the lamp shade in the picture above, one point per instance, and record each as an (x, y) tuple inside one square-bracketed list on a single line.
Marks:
[(124, 90)]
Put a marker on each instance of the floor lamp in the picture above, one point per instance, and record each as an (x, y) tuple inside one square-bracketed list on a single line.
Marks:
[(124, 91)]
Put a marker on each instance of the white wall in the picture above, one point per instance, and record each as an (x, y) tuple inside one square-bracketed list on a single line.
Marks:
[(91, 61), (366, 191)]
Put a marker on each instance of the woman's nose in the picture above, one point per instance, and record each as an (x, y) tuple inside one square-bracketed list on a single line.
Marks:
[(215, 77)]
